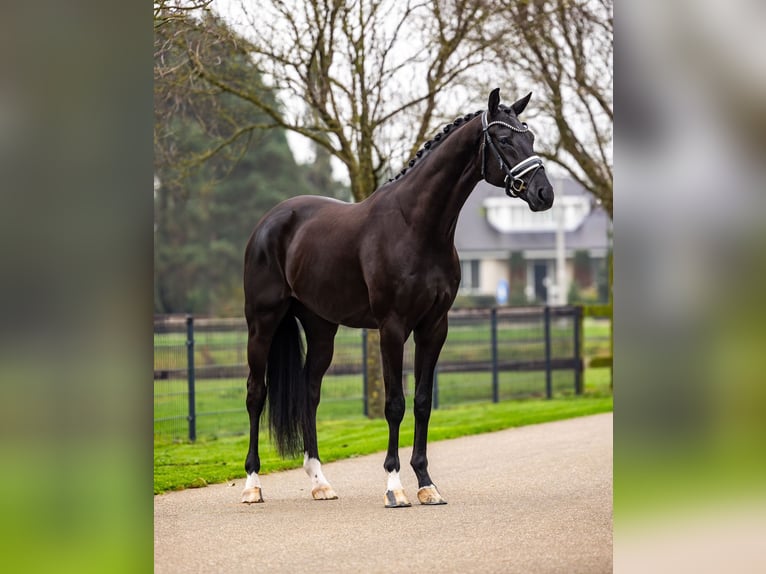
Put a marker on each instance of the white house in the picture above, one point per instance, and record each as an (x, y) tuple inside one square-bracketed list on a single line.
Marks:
[(505, 247)]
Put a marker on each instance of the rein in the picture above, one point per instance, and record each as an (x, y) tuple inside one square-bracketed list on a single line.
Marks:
[(514, 184)]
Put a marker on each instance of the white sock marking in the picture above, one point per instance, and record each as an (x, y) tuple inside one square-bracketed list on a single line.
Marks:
[(313, 468), (252, 481), (394, 483)]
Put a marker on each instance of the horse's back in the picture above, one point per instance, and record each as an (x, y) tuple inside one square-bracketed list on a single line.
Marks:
[(275, 229)]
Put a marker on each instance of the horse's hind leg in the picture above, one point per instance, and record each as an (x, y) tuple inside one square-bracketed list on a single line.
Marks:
[(320, 340), (261, 329)]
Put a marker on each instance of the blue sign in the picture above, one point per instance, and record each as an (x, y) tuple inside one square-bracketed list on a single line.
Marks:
[(502, 292)]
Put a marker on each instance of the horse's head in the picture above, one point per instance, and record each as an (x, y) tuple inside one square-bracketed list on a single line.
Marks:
[(508, 158)]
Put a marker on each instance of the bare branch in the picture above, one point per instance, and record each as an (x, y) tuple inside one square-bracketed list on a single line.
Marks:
[(564, 48)]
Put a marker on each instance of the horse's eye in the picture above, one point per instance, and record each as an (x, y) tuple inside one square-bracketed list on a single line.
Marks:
[(505, 141)]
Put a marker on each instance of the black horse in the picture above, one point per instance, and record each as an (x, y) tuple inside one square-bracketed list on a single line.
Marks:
[(387, 263)]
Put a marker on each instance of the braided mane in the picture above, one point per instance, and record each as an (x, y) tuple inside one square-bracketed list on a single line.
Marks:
[(434, 142)]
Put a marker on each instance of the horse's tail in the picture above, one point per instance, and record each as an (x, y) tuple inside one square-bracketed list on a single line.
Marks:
[(287, 388)]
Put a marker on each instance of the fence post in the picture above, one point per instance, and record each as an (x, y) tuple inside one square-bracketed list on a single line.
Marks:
[(435, 393), (493, 331), (190, 377), (364, 372), (578, 330), (548, 381)]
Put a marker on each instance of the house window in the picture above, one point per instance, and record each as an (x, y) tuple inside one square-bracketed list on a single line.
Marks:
[(469, 271)]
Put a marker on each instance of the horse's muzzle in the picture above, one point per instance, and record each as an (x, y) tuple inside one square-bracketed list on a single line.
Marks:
[(540, 197)]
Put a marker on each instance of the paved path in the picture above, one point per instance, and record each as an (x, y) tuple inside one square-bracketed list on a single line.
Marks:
[(531, 500)]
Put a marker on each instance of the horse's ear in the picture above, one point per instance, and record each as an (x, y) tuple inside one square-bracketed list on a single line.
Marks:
[(494, 101), (519, 105)]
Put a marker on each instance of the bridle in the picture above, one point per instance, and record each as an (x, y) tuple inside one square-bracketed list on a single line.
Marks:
[(514, 184)]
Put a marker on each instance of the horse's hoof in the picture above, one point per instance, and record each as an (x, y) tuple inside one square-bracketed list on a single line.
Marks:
[(396, 499), (324, 492), (252, 495), (429, 495)]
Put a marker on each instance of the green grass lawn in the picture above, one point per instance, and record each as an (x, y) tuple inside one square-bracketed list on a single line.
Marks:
[(220, 402), (212, 459)]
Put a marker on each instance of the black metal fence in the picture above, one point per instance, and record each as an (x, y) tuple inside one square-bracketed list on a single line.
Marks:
[(200, 366)]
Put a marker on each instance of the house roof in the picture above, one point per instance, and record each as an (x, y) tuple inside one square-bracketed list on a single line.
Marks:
[(475, 233)]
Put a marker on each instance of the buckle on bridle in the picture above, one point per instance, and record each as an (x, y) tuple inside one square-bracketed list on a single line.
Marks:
[(514, 183), (513, 178)]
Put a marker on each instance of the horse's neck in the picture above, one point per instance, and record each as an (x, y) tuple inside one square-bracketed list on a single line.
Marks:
[(432, 195)]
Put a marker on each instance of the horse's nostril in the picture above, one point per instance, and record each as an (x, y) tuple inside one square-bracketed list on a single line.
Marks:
[(545, 193)]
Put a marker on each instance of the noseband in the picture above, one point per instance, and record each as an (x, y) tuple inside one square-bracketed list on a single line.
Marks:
[(514, 184)]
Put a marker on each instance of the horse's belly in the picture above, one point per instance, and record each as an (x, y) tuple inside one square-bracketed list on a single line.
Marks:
[(339, 311), (361, 321), (337, 297)]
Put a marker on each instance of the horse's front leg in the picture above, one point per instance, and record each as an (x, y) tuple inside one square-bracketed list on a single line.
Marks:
[(429, 340), (392, 337)]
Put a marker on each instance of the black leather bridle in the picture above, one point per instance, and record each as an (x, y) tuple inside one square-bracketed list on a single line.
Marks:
[(514, 184)]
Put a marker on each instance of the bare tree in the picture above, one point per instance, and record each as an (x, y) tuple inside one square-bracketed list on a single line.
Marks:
[(168, 10), (362, 79), (564, 49), (368, 80)]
